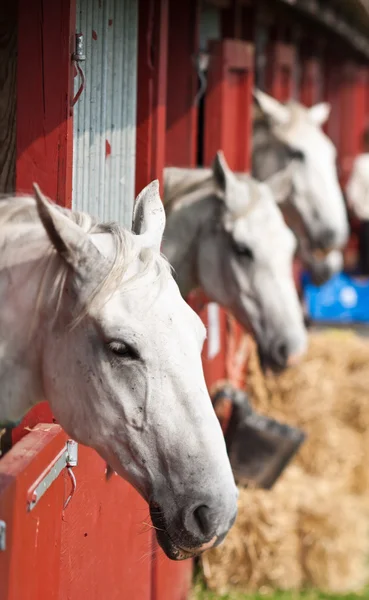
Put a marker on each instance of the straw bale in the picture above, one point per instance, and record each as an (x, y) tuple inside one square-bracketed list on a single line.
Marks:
[(301, 534), (312, 528), (328, 397)]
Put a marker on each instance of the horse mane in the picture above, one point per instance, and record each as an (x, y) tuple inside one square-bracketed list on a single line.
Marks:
[(21, 232), (193, 184)]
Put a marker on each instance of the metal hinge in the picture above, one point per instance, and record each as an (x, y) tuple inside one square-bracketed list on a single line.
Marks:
[(68, 458), (2, 536)]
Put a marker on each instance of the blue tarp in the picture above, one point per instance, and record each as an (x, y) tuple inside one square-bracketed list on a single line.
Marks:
[(343, 299)]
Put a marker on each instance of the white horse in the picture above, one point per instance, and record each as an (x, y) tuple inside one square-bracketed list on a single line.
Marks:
[(92, 320), (227, 235), (290, 145)]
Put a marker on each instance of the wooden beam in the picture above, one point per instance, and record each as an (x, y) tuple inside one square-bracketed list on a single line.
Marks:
[(152, 91), (44, 93), (182, 113), (8, 98)]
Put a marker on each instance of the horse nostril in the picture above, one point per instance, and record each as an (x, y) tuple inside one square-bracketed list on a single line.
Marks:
[(328, 238), (202, 517), (282, 354)]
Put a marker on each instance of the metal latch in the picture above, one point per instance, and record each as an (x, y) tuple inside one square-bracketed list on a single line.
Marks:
[(78, 57), (67, 458), (79, 54), (2, 536)]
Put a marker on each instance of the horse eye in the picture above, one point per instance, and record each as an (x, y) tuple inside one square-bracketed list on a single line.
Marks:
[(295, 154), (244, 251), (123, 350)]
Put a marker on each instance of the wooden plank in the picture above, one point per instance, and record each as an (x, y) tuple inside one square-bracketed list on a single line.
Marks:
[(311, 87), (230, 84), (106, 538), (44, 92), (8, 73), (280, 68), (152, 91), (32, 538), (44, 139), (182, 113)]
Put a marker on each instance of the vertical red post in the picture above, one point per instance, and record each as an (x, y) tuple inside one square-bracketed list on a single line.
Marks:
[(332, 86), (232, 20), (353, 115), (44, 150), (311, 81), (181, 122), (44, 92), (280, 69), (228, 109), (228, 124), (152, 91)]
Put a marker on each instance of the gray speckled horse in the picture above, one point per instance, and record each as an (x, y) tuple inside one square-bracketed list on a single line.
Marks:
[(292, 152), (226, 234), (92, 320)]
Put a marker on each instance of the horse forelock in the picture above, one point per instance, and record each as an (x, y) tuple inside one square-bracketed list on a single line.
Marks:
[(19, 216)]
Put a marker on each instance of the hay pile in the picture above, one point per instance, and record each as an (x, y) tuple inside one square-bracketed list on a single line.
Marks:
[(312, 529)]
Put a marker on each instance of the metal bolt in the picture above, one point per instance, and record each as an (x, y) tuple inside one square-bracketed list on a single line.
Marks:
[(72, 453), (2, 536)]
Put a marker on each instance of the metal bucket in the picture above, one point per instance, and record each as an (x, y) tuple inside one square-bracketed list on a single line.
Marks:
[(259, 447)]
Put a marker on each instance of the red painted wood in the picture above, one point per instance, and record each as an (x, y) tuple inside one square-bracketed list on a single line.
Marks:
[(181, 125), (280, 68), (228, 122), (227, 107), (44, 123), (151, 91), (332, 87), (311, 81), (354, 82), (29, 568), (232, 20), (171, 581), (44, 119), (106, 537)]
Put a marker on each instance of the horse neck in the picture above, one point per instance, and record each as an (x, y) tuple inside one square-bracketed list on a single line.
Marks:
[(182, 235), (20, 340)]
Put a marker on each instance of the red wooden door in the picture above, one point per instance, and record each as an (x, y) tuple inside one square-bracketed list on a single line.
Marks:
[(30, 549), (106, 537)]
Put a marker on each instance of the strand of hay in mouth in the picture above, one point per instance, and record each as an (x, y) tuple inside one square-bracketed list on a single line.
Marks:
[(301, 534)]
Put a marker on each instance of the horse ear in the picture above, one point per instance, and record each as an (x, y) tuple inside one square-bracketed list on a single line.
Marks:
[(277, 112), (319, 113), (68, 239), (149, 217), (221, 172), (233, 191), (281, 185)]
